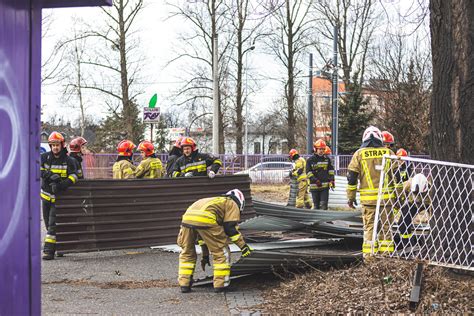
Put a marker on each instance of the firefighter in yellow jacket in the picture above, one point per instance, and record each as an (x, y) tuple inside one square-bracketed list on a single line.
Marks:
[(214, 221), (123, 168), (299, 172), (150, 167), (365, 166)]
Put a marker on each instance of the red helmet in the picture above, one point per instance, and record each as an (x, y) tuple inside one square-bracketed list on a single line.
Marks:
[(387, 138), (76, 144), (188, 141), (125, 148), (293, 152), (146, 147), (402, 153), (319, 144), (327, 151), (56, 137), (177, 143)]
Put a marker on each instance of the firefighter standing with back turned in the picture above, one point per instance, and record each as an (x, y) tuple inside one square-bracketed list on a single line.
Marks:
[(299, 172), (123, 168), (58, 172), (75, 151), (150, 167), (366, 166), (214, 221), (321, 175), (193, 163)]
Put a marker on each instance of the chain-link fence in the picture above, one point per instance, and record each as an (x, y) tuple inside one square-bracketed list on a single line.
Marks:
[(429, 213)]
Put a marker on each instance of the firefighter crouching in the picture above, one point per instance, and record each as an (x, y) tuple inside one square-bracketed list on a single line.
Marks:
[(193, 163), (58, 172), (213, 221), (123, 168), (365, 166), (75, 151), (150, 167), (321, 175), (299, 172)]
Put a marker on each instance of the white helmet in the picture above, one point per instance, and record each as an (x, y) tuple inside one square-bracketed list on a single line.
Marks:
[(238, 197), (372, 131), (419, 183)]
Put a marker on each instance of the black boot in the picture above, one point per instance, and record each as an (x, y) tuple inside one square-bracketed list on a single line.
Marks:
[(48, 255), (219, 289), (185, 289), (49, 247)]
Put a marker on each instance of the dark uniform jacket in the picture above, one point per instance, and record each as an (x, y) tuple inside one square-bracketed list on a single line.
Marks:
[(64, 166), (174, 154), (196, 163), (78, 161), (320, 172)]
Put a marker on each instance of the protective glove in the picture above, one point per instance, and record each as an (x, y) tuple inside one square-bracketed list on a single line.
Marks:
[(188, 174), (318, 183), (55, 177), (290, 174), (332, 185), (246, 250), (54, 187), (205, 261), (46, 174), (352, 204), (211, 174)]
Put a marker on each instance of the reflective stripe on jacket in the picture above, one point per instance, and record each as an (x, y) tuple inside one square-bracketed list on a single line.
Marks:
[(299, 170), (196, 163), (149, 168), (64, 166), (320, 172)]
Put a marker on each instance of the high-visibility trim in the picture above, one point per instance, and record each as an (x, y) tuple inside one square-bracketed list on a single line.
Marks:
[(301, 178), (352, 187), (235, 237), (221, 272), (331, 172), (73, 178), (386, 246), (43, 169), (48, 197), (50, 239), (374, 197), (190, 265), (198, 219), (367, 174), (218, 162), (406, 236), (186, 271), (221, 266), (176, 174), (201, 242), (367, 247), (373, 153)]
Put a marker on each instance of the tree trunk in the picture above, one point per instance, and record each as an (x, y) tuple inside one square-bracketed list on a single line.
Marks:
[(290, 89), (452, 112), (239, 91), (79, 91), (127, 106)]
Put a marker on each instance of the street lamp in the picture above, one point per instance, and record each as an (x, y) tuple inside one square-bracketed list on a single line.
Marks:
[(247, 106)]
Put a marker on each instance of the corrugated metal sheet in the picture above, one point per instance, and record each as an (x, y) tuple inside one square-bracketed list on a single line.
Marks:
[(271, 223), (116, 214), (303, 215)]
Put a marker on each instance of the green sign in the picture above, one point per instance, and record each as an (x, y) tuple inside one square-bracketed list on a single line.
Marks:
[(153, 100)]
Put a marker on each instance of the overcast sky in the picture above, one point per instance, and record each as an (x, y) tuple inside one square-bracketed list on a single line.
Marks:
[(157, 37)]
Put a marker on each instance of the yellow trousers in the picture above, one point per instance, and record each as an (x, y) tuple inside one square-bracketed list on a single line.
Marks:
[(384, 239), (302, 199)]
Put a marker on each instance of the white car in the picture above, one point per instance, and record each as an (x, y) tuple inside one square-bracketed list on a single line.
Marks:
[(269, 172)]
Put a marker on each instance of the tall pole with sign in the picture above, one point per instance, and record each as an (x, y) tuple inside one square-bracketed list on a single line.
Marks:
[(151, 114)]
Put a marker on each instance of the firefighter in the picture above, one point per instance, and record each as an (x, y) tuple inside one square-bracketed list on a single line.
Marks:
[(173, 155), (193, 163), (321, 175), (299, 172), (213, 221), (123, 168), (365, 166), (75, 151), (404, 170), (416, 190), (388, 139), (58, 172), (150, 167)]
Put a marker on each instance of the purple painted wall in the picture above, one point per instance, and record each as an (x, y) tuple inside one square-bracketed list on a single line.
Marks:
[(20, 85)]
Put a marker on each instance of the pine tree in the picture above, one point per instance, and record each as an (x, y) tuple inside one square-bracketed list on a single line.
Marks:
[(160, 135), (354, 117)]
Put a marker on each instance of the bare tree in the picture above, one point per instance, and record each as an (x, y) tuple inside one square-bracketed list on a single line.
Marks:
[(208, 19), (452, 113), (292, 35), (357, 21)]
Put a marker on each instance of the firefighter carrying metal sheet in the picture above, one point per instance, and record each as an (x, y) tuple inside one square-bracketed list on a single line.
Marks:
[(299, 172), (58, 172), (75, 151), (193, 163), (214, 221), (123, 168), (150, 167), (321, 175), (366, 166)]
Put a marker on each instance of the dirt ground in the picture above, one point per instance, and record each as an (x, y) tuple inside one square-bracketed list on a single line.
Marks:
[(382, 286)]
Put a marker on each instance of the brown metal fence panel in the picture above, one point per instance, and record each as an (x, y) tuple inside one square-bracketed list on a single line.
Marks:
[(117, 214)]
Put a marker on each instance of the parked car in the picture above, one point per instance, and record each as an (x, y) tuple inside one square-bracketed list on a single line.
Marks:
[(269, 172)]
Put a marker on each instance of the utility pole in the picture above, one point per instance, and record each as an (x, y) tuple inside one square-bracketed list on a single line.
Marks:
[(215, 98), (309, 132), (334, 95)]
